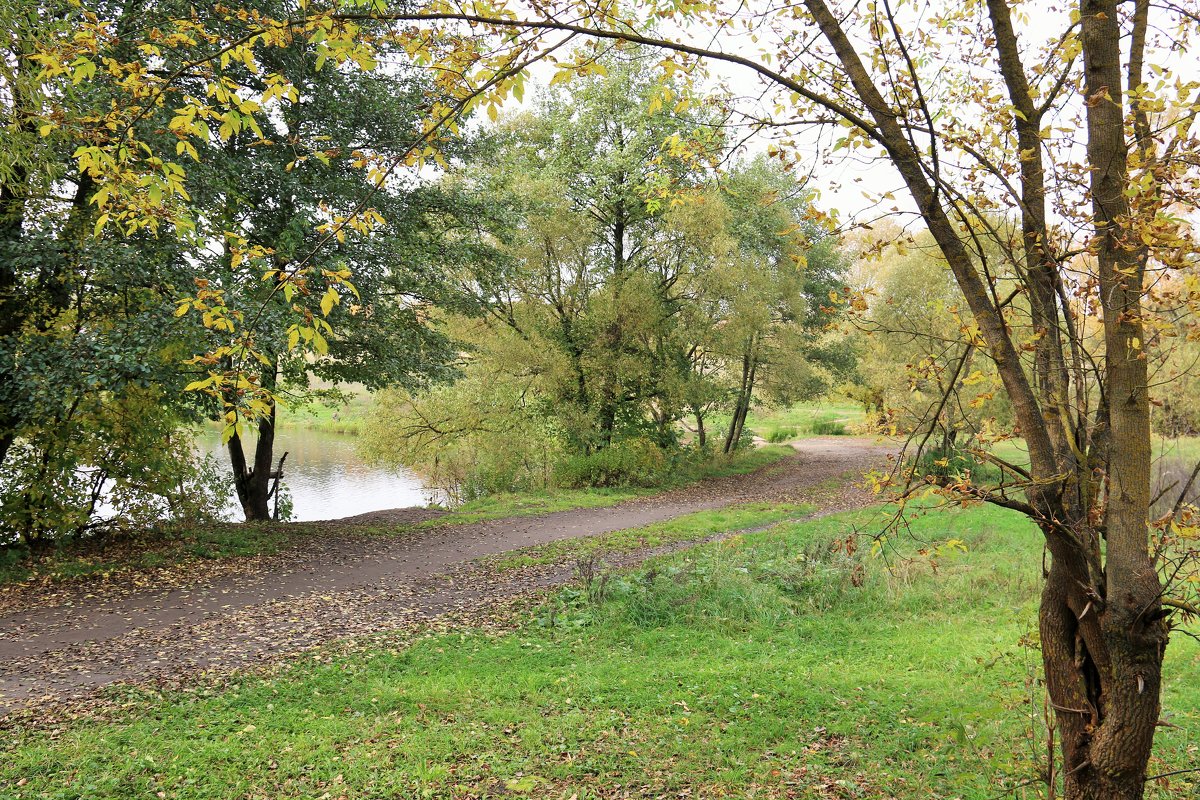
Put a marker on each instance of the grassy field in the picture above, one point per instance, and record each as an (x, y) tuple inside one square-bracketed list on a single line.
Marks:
[(515, 505), (115, 556), (686, 528), (798, 421), (776, 664), (330, 417)]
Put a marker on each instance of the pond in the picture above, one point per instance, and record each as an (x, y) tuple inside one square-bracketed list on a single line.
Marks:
[(1171, 476), (326, 478)]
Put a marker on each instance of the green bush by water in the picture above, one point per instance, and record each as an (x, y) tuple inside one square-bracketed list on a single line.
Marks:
[(828, 426), (780, 435), (633, 462)]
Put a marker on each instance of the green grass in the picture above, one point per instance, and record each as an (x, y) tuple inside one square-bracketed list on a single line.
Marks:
[(775, 664), (797, 421), (328, 416), (117, 556), (688, 527), (1186, 449)]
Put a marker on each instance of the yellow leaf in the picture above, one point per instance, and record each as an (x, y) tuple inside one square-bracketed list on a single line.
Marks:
[(330, 299)]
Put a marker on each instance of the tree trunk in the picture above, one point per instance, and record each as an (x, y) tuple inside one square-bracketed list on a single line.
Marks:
[(741, 408), (608, 417), (253, 483), (731, 435), (1103, 633), (1103, 670), (1125, 645)]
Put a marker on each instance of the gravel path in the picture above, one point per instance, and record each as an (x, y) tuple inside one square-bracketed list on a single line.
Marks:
[(64, 647)]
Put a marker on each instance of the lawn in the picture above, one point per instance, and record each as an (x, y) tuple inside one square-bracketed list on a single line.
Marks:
[(799, 421), (329, 415), (776, 664)]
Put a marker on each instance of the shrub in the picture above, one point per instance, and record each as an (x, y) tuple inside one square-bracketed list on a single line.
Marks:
[(937, 462), (740, 581), (958, 463), (634, 462), (470, 439), (828, 426), (780, 435)]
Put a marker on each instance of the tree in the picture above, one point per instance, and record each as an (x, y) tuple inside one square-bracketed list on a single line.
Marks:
[(915, 350), (594, 281), (90, 381), (272, 187), (770, 322)]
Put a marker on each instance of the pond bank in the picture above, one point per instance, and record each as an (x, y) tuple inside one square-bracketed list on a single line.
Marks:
[(347, 582)]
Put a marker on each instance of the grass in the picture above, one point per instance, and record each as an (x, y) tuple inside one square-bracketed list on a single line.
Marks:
[(498, 506), (797, 421), (348, 418), (689, 527), (775, 664), (117, 556)]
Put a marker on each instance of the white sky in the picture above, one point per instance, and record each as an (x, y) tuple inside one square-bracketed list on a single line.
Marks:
[(842, 182)]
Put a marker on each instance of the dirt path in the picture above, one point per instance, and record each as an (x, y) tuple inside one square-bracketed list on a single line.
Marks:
[(64, 648)]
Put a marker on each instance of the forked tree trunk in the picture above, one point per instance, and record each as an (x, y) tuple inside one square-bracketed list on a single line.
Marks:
[(1103, 666), (253, 483), (1127, 650)]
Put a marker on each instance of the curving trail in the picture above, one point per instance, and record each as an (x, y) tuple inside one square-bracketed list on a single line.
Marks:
[(65, 647)]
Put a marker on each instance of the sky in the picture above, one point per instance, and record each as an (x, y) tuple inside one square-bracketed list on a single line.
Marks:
[(852, 186)]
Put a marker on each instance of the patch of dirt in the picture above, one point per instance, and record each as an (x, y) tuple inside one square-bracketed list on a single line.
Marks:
[(63, 647)]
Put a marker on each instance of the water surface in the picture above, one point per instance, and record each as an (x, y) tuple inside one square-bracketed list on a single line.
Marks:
[(326, 478)]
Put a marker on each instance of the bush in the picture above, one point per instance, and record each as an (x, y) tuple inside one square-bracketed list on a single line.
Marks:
[(942, 464), (470, 439), (780, 435), (828, 426), (634, 462), (956, 464)]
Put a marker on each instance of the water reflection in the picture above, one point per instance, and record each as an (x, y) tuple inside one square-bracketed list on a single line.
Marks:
[(1171, 476), (327, 479)]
